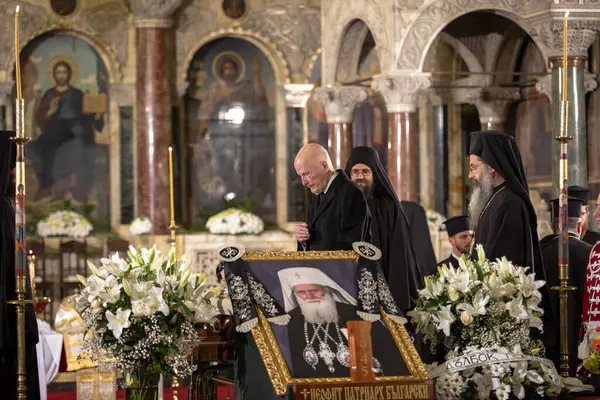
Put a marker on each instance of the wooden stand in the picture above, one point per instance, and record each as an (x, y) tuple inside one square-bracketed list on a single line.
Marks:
[(361, 351)]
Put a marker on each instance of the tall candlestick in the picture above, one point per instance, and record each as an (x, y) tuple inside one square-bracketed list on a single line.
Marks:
[(171, 195), (564, 71), (17, 60)]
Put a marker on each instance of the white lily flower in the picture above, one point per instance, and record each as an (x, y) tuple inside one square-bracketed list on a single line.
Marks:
[(444, 319), (118, 322), (111, 290), (516, 308), (478, 306), (529, 285)]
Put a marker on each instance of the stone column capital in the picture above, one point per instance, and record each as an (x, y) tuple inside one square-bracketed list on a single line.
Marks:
[(297, 94), (340, 101), (491, 103), (401, 90), (544, 84), (581, 33), (153, 13)]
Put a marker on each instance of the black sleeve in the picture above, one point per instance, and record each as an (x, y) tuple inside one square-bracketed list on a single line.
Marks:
[(506, 236), (353, 219)]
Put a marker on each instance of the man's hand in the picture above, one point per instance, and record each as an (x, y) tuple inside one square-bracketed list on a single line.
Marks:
[(302, 232), (54, 103)]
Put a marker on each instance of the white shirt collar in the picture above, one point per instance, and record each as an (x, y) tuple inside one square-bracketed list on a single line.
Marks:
[(330, 180), (455, 256)]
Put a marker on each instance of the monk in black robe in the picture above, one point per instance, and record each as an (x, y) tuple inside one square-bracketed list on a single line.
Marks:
[(8, 317), (389, 226), (583, 194), (500, 207), (338, 214), (578, 258), (420, 236), (460, 237)]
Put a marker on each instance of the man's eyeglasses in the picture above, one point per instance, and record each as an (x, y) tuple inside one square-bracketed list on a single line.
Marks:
[(473, 168), (357, 172)]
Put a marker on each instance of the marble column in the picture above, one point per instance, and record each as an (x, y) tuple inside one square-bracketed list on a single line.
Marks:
[(296, 97), (153, 21), (7, 102), (579, 83), (340, 103), (492, 104), (400, 91)]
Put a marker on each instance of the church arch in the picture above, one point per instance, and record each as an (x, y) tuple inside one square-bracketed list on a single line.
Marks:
[(102, 48), (270, 50), (463, 51), (340, 18), (434, 17), (350, 50)]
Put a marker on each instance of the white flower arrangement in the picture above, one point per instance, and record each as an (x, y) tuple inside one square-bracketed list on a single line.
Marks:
[(234, 222), (139, 312), (64, 223), (435, 218), (493, 305), (140, 226)]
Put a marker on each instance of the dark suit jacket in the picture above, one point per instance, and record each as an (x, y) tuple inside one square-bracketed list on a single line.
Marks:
[(591, 237), (450, 260), (341, 218)]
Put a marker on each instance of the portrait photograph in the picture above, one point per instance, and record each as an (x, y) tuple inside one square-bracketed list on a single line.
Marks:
[(320, 296)]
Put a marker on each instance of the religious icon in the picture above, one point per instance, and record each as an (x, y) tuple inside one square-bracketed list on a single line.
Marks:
[(234, 8)]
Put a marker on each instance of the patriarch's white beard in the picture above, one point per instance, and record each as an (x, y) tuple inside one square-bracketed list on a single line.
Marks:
[(319, 311)]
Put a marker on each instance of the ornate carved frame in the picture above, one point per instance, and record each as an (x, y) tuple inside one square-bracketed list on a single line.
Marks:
[(277, 368)]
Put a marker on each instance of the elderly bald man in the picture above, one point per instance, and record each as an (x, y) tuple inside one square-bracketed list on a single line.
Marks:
[(338, 214)]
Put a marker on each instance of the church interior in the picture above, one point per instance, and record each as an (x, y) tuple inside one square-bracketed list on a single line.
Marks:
[(228, 91)]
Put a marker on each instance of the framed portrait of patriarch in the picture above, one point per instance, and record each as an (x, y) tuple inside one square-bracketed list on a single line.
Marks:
[(297, 305)]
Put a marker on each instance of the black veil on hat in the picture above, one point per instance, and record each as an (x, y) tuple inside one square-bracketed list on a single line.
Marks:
[(369, 157)]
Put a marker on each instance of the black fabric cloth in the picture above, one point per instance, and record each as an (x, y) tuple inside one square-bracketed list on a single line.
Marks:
[(591, 237), (420, 237), (578, 256), (579, 192), (340, 219), (520, 246), (450, 260), (384, 347), (457, 224), (8, 318), (390, 231)]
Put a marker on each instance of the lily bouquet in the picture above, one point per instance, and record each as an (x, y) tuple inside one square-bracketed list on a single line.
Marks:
[(139, 313), (234, 221), (482, 313), (64, 223)]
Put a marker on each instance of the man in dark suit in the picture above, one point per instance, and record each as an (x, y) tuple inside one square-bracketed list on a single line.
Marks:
[(338, 214), (578, 259), (460, 237), (583, 194)]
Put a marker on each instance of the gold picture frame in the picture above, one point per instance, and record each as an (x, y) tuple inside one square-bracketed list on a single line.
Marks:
[(272, 356)]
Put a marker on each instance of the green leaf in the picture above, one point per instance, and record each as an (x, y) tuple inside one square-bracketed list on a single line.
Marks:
[(82, 279)]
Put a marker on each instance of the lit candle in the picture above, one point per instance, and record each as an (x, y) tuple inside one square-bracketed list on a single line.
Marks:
[(171, 184), (17, 61), (564, 93)]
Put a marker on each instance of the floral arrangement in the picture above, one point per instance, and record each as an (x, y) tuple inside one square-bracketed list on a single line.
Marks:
[(64, 223), (493, 305), (234, 222), (592, 362), (140, 226), (139, 314), (435, 218)]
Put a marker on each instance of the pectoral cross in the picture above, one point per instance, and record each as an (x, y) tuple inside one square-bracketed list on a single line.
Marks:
[(297, 275), (304, 393)]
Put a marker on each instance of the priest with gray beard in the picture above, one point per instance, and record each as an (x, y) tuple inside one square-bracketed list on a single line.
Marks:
[(504, 219)]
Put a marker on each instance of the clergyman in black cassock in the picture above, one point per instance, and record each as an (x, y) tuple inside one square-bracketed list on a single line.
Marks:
[(578, 258), (8, 317), (460, 237), (505, 220), (420, 236), (583, 194), (389, 226)]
